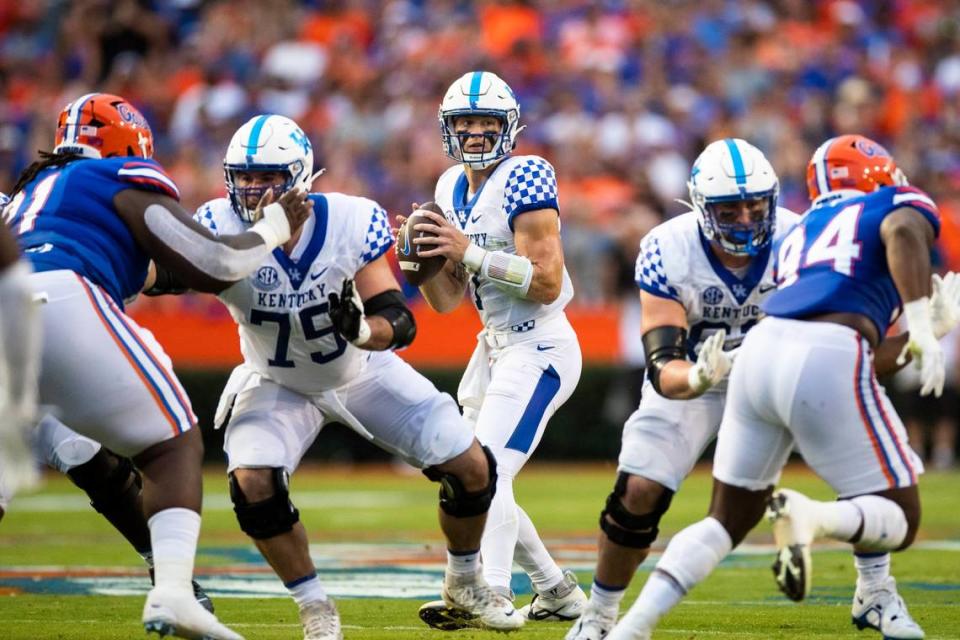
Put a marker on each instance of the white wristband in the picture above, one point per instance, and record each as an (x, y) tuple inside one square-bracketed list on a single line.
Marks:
[(917, 313), (363, 336), (273, 226), (473, 257)]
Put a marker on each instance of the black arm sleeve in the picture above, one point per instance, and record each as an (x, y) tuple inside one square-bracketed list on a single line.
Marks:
[(661, 345), (391, 306), (166, 283)]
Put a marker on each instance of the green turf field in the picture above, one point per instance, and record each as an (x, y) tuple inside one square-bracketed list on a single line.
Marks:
[(64, 571)]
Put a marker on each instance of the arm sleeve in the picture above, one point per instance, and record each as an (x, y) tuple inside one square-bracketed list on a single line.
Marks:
[(531, 185), (917, 199)]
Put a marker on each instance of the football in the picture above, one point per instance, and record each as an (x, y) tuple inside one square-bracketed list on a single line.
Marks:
[(417, 270)]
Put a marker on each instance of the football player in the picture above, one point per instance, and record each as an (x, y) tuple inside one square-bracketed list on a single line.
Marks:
[(500, 234), (859, 255), (19, 366), (90, 216), (318, 321), (702, 276)]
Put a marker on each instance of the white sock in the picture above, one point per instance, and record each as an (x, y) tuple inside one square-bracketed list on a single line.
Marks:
[(533, 557), (173, 536), (690, 557), (463, 563), (500, 536), (884, 523), (873, 569), (838, 520), (306, 589), (605, 597)]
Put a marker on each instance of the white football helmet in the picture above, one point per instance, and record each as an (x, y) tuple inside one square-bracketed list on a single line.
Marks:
[(267, 143), (732, 170), (480, 93)]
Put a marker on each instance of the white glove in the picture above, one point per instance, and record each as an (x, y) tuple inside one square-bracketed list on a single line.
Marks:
[(945, 303), (924, 347), (712, 365)]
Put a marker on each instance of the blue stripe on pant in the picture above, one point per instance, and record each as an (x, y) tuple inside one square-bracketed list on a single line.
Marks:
[(543, 394)]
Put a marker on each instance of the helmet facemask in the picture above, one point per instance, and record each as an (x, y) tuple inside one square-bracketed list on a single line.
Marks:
[(501, 143), (241, 196), (737, 238)]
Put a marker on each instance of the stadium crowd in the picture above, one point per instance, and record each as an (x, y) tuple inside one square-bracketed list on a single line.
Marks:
[(620, 95)]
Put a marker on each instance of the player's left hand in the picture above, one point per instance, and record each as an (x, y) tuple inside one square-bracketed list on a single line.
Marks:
[(346, 314), (945, 303), (713, 364), (449, 242)]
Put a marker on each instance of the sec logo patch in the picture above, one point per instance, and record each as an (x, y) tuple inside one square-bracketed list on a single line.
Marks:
[(713, 295), (266, 278)]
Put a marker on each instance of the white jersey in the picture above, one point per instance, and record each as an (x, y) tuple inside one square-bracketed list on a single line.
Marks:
[(676, 262), (281, 309), (517, 185)]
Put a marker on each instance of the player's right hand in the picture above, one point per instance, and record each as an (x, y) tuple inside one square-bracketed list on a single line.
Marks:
[(712, 365), (945, 303), (924, 347), (297, 206)]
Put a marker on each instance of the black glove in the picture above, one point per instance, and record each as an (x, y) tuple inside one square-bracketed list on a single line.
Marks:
[(346, 314)]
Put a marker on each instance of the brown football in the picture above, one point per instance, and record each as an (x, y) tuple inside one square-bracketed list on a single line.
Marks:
[(417, 270)]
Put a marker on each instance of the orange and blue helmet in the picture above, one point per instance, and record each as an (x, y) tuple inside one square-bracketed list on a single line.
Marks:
[(103, 125), (851, 162)]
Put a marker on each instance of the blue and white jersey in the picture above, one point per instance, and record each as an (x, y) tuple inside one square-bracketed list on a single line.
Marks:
[(517, 185), (677, 263), (835, 260), (281, 308), (65, 219)]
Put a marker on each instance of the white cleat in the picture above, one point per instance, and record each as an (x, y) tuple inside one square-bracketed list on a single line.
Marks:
[(175, 612), (884, 610), (794, 529), (320, 621), (594, 624), (551, 605), (470, 602), (622, 632)]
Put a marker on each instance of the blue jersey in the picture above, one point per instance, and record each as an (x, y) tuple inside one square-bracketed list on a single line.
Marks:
[(65, 219), (834, 260)]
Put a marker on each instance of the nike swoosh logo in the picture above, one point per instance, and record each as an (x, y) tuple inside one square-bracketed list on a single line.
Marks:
[(406, 244), (765, 288), (314, 276), (544, 347), (476, 218)]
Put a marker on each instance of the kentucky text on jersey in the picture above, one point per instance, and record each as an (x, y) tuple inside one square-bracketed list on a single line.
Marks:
[(293, 300), (64, 219), (835, 260)]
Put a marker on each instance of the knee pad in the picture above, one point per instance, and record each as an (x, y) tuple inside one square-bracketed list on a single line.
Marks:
[(629, 529), (885, 525), (108, 489), (455, 500), (267, 518)]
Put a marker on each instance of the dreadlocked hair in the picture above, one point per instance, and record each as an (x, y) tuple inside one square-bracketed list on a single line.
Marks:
[(46, 161)]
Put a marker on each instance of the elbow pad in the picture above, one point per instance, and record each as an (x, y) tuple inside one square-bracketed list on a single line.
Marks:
[(392, 306), (208, 255), (508, 271), (662, 345)]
